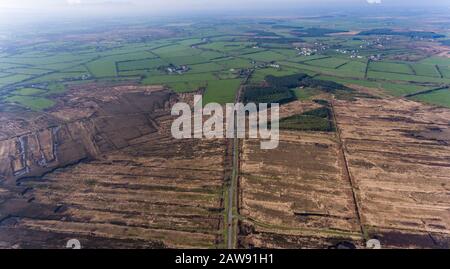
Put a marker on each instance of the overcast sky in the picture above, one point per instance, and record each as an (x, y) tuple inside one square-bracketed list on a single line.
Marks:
[(48, 8), (196, 4)]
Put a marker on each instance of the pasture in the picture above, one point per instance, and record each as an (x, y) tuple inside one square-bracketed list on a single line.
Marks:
[(215, 61)]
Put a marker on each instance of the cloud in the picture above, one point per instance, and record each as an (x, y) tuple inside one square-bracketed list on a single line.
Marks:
[(374, 2), (74, 2)]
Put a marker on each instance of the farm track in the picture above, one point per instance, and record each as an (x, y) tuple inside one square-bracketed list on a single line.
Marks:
[(353, 186)]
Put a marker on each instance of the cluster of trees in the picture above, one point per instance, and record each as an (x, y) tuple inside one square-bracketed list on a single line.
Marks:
[(267, 22), (412, 34), (281, 26), (280, 40), (291, 81), (325, 85), (319, 119), (260, 94), (303, 80), (262, 33), (279, 89), (316, 32)]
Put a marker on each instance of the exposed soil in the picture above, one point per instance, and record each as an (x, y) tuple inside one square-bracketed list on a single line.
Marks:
[(103, 168), (110, 175), (383, 175)]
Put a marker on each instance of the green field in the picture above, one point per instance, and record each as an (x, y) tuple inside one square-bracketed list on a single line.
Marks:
[(441, 61), (221, 91), (187, 86), (144, 64), (445, 71), (29, 71), (303, 59), (163, 79), (352, 69), (405, 77), (331, 62), (305, 93), (215, 56), (425, 70), (11, 79), (105, 67), (28, 91), (394, 89), (391, 67), (55, 88), (441, 98), (34, 103), (228, 46), (260, 74), (206, 67), (265, 56), (230, 63)]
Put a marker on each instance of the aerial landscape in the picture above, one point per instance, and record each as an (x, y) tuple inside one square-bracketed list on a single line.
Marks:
[(86, 150)]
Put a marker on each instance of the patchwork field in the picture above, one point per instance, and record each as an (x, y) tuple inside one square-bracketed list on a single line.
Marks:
[(220, 56)]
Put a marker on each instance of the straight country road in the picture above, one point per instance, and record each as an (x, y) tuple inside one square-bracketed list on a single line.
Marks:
[(233, 187)]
